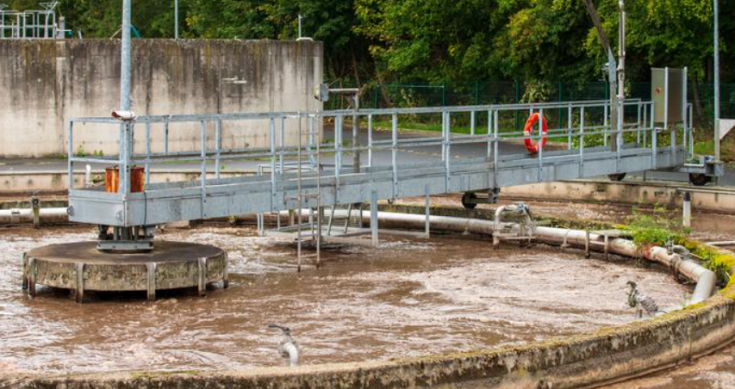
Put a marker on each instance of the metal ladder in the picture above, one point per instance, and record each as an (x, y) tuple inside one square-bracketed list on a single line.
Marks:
[(312, 134)]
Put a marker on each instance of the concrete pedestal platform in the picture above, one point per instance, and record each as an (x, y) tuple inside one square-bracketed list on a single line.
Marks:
[(81, 267)]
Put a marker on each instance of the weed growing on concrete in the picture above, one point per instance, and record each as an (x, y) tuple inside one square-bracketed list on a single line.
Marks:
[(655, 229)]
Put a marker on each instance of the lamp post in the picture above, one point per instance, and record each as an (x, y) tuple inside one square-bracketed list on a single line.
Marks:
[(125, 56), (176, 19), (717, 82)]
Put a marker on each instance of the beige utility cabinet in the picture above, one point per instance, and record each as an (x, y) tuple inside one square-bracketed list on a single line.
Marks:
[(669, 89)]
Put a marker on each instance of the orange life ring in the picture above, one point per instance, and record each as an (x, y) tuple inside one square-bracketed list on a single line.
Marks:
[(533, 148)]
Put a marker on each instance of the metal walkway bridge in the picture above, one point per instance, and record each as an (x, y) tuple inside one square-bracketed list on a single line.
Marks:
[(387, 161)]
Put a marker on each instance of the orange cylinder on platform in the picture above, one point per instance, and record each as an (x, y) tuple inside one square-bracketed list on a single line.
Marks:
[(137, 179)]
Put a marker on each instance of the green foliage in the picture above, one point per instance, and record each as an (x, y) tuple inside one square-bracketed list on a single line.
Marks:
[(656, 228), (538, 42), (81, 152)]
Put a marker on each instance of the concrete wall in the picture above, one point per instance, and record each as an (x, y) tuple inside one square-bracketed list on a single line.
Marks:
[(44, 83)]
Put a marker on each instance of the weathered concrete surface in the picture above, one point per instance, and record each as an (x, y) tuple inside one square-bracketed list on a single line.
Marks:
[(50, 181), (176, 266), (604, 356), (47, 82), (632, 193)]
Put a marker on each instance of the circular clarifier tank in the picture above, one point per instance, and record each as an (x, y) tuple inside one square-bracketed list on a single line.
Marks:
[(407, 298), (81, 267)]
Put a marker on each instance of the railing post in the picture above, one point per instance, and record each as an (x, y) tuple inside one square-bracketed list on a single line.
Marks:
[(203, 136), (653, 119), (283, 142), (374, 217), (541, 145), (638, 124), (218, 147), (472, 123), (447, 149), (394, 154), (165, 137), (581, 142), (604, 125), (70, 152), (495, 151), (489, 133), (569, 127), (644, 136), (339, 120), (619, 138), (313, 137), (272, 125), (691, 131), (147, 152), (370, 140)]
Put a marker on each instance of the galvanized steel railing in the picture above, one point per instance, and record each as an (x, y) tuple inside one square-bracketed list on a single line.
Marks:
[(639, 136)]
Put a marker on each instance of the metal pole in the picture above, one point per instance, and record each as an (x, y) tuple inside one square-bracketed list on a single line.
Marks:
[(125, 58), (356, 134), (618, 142), (176, 19), (299, 200), (300, 26), (427, 226), (374, 217), (717, 81)]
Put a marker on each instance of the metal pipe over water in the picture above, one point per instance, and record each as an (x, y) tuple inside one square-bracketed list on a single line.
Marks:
[(706, 279)]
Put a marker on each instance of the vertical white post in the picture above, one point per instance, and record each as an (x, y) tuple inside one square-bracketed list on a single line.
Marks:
[(427, 212), (374, 217), (687, 210), (472, 123), (370, 140)]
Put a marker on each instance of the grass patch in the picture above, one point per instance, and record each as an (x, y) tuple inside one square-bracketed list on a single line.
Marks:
[(655, 229), (707, 147)]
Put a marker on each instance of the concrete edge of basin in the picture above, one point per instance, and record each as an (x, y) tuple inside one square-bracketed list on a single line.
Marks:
[(586, 360)]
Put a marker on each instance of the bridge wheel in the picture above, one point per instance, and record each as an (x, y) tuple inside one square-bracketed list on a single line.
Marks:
[(467, 200), (699, 179), (616, 177)]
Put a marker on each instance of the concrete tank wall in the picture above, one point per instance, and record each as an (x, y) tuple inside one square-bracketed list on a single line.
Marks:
[(44, 83)]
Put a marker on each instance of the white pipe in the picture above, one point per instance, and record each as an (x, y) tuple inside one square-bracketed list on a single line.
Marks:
[(706, 279), (724, 243), (13, 216), (88, 176)]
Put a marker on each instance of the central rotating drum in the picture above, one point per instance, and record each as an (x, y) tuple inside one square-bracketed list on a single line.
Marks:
[(82, 267)]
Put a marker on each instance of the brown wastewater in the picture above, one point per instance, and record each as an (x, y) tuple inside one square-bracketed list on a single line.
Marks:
[(409, 297)]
